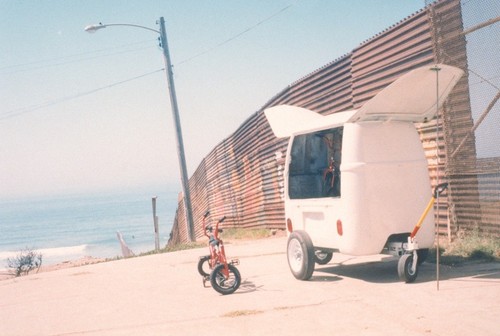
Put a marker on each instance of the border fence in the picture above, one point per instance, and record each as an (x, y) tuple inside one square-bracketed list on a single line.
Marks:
[(242, 177)]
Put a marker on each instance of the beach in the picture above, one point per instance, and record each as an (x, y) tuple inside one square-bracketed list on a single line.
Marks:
[(163, 294), (73, 227)]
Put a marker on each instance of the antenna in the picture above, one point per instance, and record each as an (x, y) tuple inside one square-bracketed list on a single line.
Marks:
[(436, 69)]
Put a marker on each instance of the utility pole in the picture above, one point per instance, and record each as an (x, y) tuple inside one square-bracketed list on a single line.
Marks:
[(177, 124), (175, 113)]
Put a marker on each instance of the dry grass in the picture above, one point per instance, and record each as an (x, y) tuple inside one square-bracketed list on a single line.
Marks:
[(469, 246), (250, 234), (229, 234), (474, 245)]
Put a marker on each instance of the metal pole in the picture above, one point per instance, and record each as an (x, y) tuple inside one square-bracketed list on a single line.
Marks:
[(436, 69), (155, 224), (180, 144)]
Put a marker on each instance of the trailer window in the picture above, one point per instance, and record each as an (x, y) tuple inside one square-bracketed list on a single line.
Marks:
[(314, 170)]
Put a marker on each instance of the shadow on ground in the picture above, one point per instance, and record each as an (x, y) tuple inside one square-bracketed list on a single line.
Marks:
[(386, 272)]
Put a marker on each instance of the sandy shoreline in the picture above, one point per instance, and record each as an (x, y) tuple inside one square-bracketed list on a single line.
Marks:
[(87, 260), (5, 273)]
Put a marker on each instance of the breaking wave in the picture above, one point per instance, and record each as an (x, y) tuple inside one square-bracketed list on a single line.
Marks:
[(51, 252)]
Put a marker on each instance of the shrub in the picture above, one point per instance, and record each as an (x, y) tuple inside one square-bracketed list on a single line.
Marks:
[(26, 261), (475, 245)]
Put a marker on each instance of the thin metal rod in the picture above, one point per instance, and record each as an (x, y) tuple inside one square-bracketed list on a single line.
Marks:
[(478, 122), (481, 25), (436, 69)]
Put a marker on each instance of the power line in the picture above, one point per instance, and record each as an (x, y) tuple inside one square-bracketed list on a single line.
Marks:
[(29, 109), (5, 69), (36, 65), (237, 35)]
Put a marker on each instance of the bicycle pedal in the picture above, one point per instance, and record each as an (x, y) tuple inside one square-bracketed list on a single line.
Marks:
[(205, 279), (235, 262)]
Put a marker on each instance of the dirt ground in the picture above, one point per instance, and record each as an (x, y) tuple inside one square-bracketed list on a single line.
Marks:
[(164, 295)]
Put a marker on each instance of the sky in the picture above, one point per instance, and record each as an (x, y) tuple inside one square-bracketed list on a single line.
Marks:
[(83, 112)]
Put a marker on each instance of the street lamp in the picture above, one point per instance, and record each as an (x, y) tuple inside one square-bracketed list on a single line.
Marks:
[(175, 113)]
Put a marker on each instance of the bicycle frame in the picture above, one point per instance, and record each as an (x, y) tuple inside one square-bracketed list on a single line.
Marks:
[(223, 275), (216, 245)]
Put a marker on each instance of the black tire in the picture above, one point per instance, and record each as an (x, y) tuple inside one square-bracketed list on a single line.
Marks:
[(300, 254), (405, 271), (322, 257), (422, 256), (223, 285), (204, 266)]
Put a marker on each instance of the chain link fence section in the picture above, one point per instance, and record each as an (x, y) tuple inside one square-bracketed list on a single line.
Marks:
[(481, 29)]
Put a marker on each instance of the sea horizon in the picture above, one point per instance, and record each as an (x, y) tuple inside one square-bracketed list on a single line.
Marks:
[(66, 227)]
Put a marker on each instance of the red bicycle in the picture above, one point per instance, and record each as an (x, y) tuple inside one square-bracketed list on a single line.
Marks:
[(223, 275)]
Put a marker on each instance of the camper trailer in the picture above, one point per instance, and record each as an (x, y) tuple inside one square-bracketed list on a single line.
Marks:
[(357, 181)]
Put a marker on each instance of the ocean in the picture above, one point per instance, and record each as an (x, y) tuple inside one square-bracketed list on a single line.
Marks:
[(66, 228)]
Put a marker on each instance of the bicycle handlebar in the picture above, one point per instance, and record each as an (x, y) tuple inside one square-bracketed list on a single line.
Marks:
[(439, 189), (209, 228)]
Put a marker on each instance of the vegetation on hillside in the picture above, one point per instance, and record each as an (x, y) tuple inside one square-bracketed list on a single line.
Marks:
[(24, 262)]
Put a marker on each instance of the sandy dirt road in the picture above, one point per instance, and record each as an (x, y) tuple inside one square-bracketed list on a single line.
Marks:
[(164, 295)]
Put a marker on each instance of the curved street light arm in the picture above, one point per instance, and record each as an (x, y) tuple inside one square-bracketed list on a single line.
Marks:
[(95, 27)]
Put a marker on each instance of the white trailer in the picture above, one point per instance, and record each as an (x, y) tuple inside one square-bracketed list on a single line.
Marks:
[(357, 181)]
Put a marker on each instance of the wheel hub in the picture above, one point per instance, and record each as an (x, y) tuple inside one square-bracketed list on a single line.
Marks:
[(295, 255)]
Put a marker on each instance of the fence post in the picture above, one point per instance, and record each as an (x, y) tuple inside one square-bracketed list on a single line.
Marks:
[(155, 223)]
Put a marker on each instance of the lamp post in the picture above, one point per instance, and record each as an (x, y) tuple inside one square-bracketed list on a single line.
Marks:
[(175, 113)]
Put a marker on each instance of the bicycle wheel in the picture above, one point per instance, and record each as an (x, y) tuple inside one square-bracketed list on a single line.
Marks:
[(204, 266), (222, 284)]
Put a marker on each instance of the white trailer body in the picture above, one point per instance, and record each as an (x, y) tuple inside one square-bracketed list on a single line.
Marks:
[(356, 181)]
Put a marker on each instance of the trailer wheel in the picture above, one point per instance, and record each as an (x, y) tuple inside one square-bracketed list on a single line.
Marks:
[(322, 257), (405, 268), (300, 254), (422, 256)]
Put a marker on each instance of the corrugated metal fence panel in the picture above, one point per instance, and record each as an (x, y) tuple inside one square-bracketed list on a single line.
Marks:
[(218, 198), (242, 177), (257, 164), (198, 191), (327, 90), (381, 60)]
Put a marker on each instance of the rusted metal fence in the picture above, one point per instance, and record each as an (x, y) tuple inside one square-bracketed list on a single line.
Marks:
[(242, 178)]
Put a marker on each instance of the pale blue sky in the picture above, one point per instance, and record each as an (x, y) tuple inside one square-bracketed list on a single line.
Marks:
[(123, 136)]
